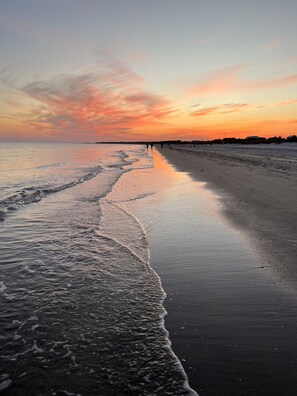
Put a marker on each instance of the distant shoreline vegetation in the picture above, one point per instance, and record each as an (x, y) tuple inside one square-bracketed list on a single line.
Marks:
[(232, 140)]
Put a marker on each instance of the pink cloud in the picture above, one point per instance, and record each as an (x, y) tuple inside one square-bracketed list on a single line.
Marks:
[(108, 101), (287, 102), (220, 109), (228, 80), (267, 84), (235, 107), (207, 40), (273, 44), (291, 59), (219, 81)]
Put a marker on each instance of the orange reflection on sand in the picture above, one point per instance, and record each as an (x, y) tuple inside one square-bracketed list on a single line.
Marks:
[(181, 174), (161, 164), (165, 170)]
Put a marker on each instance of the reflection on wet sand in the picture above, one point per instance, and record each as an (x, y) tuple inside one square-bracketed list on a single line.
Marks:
[(229, 324)]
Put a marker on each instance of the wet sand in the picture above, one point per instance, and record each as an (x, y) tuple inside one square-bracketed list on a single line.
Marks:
[(231, 323), (258, 187)]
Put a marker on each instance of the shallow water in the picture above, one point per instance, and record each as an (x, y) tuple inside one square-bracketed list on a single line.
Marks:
[(81, 308), (232, 323)]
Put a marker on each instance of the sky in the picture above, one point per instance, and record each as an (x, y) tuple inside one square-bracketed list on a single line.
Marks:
[(130, 70)]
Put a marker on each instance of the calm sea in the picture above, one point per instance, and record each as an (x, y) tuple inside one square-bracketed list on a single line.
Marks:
[(81, 308)]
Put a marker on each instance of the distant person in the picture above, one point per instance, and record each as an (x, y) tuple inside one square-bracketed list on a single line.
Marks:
[(161, 145), (152, 145), (147, 145)]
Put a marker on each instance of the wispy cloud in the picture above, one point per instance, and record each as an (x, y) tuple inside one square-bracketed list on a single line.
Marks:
[(273, 44), (287, 102), (218, 81), (267, 84), (12, 102), (228, 80), (207, 40), (8, 117), (291, 59), (236, 107), (220, 109), (104, 101)]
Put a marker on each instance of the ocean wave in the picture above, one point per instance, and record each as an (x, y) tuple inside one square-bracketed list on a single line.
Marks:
[(35, 194)]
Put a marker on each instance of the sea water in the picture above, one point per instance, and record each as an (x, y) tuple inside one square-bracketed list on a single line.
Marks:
[(81, 308)]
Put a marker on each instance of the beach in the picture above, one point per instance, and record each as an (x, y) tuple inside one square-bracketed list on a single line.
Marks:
[(258, 187), (148, 198), (231, 304), (127, 271), (81, 308)]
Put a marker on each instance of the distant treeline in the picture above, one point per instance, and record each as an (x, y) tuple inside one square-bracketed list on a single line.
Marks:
[(247, 140)]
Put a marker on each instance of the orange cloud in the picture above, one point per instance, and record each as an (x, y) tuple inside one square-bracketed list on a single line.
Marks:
[(111, 102), (236, 107), (287, 102), (8, 117), (228, 80), (221, 109), (267, 84), (219, 81), (101, 103)]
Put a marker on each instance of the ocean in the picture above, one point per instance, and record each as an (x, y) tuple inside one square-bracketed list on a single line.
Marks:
[(81, 308)]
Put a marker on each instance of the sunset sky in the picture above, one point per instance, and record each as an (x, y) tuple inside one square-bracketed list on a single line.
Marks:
[(122, 70)]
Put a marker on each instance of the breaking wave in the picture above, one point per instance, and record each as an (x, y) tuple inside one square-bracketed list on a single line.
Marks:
[(35, 194)]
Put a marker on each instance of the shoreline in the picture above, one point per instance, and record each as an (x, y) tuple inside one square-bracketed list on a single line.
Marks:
[(230, 324), (258, 190)]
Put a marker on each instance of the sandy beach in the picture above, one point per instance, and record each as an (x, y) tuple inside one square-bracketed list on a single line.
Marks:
[(258, 187), (130, 280), (224, 245)]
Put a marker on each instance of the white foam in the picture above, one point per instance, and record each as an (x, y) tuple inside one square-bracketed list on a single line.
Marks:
[(73, 358), (29, 269), (55, 344), (35, 348), (34, 327), (68, 353), (5, 384), (2, 287)]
